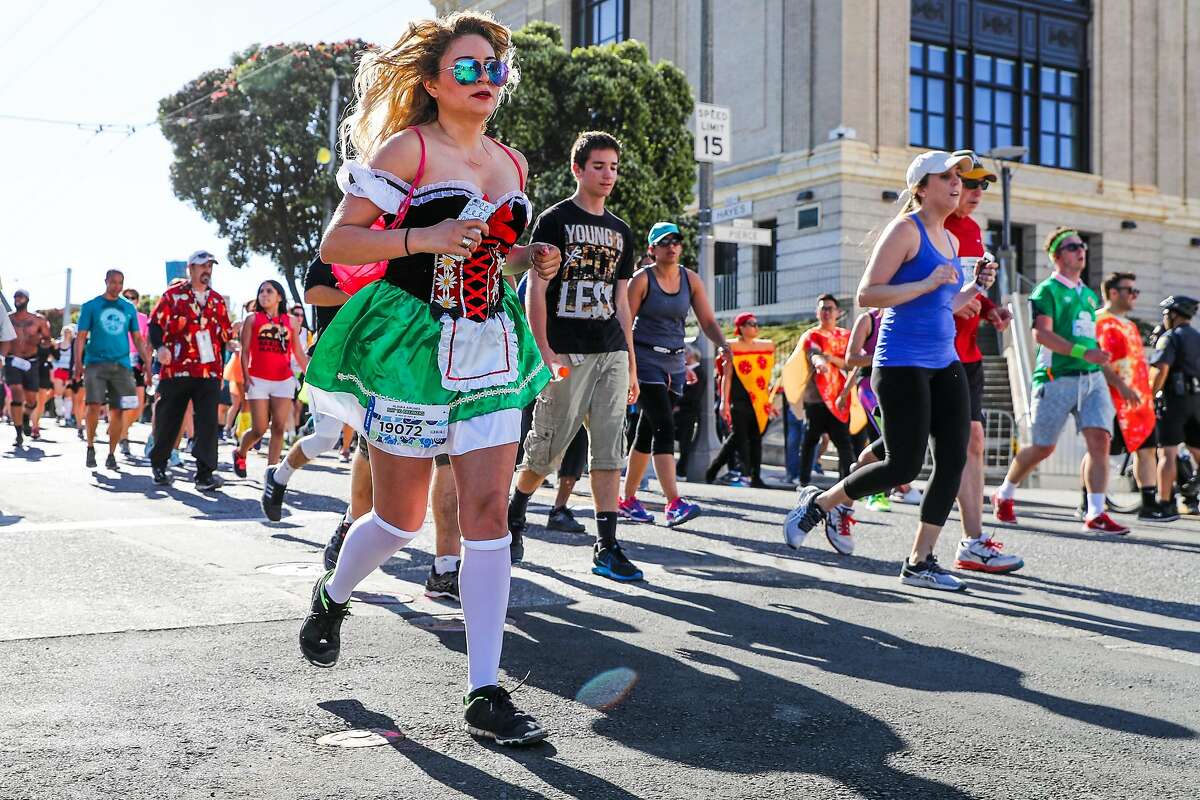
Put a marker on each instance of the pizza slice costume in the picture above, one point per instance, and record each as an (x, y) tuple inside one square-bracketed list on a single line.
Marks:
[(830, 383), (753, 370), (1121, 339), (437, 356)]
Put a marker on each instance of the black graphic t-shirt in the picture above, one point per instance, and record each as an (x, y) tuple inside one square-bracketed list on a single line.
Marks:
[(597, 251)]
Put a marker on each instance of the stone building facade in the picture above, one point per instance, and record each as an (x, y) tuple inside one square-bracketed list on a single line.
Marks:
[(831, 99)]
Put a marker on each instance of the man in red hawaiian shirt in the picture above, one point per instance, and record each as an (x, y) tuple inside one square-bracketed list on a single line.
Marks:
[(189, 329)]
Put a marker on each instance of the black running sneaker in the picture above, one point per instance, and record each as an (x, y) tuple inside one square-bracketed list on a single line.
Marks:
[(561, 519), (516, 550), (27, 427), (90, 463), (160, 476), (272, 496), (1162, 512), (321, 633), (491, 714), (444, 585), (335, 543), (21, 437), (111, 462), (611, 562), (125, 451), (210, 482)]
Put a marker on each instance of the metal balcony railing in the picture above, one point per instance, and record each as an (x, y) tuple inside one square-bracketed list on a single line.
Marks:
[(726, 290)]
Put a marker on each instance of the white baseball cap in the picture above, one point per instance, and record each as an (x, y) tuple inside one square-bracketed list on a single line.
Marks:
[(935, 162), (201, 257)]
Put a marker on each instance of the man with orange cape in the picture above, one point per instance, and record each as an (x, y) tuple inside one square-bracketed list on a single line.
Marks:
[(1128, 378)]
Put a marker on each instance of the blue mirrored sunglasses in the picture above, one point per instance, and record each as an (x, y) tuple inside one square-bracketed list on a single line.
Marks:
[(470, 70)]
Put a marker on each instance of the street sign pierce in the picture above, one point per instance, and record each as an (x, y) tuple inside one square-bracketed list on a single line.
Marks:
[(740, 234), (712, 133)]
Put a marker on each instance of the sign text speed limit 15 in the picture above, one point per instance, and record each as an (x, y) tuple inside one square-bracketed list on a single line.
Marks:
[(712, 133)]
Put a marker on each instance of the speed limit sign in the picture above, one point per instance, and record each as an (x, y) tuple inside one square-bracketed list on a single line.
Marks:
[(712, 133)]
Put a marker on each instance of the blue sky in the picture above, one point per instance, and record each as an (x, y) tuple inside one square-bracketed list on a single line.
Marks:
[(91, 201)]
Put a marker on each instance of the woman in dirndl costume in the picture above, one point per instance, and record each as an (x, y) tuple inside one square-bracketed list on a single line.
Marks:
[(435, 358)]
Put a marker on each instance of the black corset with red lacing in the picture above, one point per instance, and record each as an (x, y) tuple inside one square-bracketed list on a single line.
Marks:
[(470, 288)]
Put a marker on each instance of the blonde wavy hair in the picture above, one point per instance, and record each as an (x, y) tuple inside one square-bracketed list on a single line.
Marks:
[(389, 86)]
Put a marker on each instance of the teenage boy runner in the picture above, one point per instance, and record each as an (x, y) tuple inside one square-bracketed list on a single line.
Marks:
[(977, 550), (1067, 381), (106, 325), (581, 322)]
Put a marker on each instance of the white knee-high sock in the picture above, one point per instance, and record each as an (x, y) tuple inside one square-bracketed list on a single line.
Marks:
[(369, 542), (483, 580)]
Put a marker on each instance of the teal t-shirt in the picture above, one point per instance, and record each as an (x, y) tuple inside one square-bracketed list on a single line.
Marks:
[(1073, 312), (109, 323)]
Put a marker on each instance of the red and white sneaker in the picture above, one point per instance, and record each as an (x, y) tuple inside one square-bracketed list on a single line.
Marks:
[(1103, 523), (983, 555), (1004, 510), (837, 529)]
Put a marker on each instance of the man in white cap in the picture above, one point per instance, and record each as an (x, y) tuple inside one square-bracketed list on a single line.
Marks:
[(189, 329)]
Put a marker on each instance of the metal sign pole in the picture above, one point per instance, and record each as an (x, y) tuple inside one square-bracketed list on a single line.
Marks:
[(706, 436)]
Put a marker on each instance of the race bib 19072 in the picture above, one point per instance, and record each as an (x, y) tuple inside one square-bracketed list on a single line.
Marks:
[(389, 422)]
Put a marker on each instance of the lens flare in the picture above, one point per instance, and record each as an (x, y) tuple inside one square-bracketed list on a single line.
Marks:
[(608, 689)]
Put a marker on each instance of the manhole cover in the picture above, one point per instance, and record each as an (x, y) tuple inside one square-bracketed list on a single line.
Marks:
[(296, 569), (382, 598), (446, 623), (370, 737)]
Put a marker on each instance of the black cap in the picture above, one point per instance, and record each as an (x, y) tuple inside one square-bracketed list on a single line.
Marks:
[(1180, 304)]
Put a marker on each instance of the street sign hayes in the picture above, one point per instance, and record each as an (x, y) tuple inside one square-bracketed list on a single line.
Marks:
[(712, 133)]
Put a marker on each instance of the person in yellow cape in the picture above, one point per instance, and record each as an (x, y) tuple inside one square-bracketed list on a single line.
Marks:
[(746, 401), (1128, 377)]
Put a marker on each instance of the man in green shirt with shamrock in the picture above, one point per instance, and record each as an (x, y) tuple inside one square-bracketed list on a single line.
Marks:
[(1068, 381)]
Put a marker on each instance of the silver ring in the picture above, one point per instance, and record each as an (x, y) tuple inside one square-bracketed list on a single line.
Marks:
[(466, 241)]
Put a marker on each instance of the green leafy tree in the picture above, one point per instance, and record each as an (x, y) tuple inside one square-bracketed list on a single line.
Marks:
[(246, 140), (612, 88)]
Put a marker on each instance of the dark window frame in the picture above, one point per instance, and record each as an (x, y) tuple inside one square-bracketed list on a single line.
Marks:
[(583, 33), (1028, 50)]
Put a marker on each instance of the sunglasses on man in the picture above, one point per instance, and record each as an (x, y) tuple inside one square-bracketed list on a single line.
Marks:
[(469, 70), (971, 183), (1074, 247), (667, 241), (1129, 290)]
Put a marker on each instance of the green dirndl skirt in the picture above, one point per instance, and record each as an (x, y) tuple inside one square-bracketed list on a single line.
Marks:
[(418, 386)]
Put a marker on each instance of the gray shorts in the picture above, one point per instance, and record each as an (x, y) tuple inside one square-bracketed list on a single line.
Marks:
[(593, 395), (111, 382), (1085, 396)]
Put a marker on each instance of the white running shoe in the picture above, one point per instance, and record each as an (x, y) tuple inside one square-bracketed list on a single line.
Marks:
[(983, 555), (837, 528), (930, 575), (912, 497)]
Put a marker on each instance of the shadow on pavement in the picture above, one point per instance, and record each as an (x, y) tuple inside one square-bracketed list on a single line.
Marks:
[(473, 781)]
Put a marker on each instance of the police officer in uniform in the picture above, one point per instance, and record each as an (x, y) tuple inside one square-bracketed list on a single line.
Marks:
[(1175, 382)]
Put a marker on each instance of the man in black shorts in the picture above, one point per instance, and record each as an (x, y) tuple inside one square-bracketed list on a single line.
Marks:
[(1175, 381), (20, 368)]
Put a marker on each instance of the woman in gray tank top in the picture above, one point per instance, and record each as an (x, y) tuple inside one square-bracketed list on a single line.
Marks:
[(660, 299)]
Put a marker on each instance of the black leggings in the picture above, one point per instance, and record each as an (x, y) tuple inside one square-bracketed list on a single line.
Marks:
[(656, 420), (821, 421), (917, 404), (744, 443)]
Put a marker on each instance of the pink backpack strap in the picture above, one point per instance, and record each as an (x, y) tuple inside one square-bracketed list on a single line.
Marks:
[(416, 181), (516, 163)]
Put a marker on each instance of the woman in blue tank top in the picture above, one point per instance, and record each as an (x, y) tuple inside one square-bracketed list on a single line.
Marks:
[(914, 275)]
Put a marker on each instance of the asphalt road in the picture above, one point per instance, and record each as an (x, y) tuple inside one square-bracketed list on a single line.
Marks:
[(149, 651)]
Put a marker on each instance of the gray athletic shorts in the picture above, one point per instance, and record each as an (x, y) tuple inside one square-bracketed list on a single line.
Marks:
[(1084, 396)]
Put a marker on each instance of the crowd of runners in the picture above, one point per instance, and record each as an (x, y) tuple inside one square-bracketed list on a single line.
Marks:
[(428, 367)]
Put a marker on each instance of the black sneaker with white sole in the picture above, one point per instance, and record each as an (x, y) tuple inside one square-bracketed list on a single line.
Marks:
[(562, 519), (1161, 512), (90, 459), (210, 482), (490, 713), (442, 586), (516, 548), (160, 476), (321, 633), (272, 496), (334, 548), (929, 574), (111, 462)]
